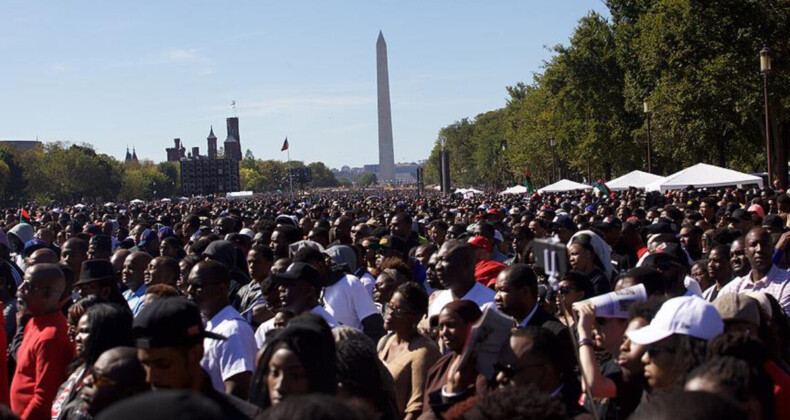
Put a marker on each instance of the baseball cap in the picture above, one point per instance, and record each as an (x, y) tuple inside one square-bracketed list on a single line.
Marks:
[(656, 228), (300, 271), (170, 322), (394, 243), (774, 221), (164, 404), (564, 221), (685, 315), (756, 208), (739, 215), (667, 252), (480, 242), (738, 307), (32, 245), (610, 223), (146, 237)]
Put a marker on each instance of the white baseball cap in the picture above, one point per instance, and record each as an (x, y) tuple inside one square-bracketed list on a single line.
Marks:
[(685, 315)]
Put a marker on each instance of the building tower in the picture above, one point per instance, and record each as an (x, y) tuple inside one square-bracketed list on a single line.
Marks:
[(128, 157), (134, 155), (386, 152), (212, 144), (233, 142)]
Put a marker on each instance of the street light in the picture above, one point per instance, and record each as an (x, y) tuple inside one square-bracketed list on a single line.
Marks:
[(648, 111), (553, 160), (765, 68)]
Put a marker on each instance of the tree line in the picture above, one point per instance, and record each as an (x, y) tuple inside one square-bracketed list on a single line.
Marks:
[(695, 62), (60, 172)]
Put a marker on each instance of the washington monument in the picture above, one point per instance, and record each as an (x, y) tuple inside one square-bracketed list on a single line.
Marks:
[(386, 154)]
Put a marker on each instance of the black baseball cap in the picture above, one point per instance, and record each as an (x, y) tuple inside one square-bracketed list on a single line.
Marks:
[(739, 215), (300, 271), (170, 322), (394, 243), (164, 405), (774, 221), (669, 252)]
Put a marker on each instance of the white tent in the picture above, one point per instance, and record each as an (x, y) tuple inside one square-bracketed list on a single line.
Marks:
[(166, 200), (703, 175), (564, 185), (637, 179), (136, 201), (467, 191), (517, 189)]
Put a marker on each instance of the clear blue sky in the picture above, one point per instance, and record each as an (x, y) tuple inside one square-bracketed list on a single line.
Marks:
[(141, 73)]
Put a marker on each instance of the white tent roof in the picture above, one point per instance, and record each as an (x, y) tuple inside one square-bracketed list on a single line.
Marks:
[(637, 179), (703, 175), (516, 189), (466, 191), (564, 185)]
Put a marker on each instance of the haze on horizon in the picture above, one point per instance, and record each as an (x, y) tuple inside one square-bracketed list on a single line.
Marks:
[(142, 74)]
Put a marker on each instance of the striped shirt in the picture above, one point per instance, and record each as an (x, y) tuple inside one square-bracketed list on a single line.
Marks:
[(775, 283)]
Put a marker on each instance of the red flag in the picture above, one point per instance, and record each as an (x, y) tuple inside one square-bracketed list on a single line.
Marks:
[(285, 145), (25, 215)]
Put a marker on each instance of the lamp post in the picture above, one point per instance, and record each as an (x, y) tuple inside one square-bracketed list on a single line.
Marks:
[(765, 68), (553, 160), (648, 111)]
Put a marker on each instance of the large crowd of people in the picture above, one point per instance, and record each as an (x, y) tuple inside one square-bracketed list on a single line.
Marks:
[(398, 305)]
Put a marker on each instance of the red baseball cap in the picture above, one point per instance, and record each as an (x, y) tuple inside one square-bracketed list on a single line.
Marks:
[(480, 242)]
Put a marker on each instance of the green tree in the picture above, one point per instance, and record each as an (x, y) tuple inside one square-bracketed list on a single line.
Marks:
[(367, 179), (321, 175)]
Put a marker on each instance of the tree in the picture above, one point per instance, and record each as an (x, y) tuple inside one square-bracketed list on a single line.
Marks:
[(367, 179), (16, 183), (321, 175)]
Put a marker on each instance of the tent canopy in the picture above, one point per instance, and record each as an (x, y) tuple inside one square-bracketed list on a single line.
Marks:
[(564, 185), (636, 179), (517, 189), (703, 175), (467, 191)]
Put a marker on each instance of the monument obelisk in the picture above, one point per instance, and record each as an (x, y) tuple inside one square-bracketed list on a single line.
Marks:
[(386, 154)]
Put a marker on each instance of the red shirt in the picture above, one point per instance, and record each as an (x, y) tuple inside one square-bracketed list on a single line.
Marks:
[(42, 359), (3, 363), (486, 272)]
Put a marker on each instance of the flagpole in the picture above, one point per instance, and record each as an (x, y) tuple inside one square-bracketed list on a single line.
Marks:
[(290, 174)]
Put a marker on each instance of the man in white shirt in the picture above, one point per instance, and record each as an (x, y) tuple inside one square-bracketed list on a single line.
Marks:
[(344, 295), (300, 287), (455, 269), (230, 362)]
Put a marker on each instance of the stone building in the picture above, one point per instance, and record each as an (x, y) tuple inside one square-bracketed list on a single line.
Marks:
[(209, 174)]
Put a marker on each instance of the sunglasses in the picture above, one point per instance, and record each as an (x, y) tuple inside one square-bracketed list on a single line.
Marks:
[(564, 290)]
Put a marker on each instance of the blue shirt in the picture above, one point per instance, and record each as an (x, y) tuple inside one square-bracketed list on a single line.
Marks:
[(135, 299)]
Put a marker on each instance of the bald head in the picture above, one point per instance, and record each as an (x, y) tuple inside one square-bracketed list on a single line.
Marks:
[(122, 367), (41, 291), (42, 256), (456, 265), (134, 269)]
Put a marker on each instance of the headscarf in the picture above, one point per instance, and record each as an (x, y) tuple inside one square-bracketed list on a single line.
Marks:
[(599, 247), (228, 255)]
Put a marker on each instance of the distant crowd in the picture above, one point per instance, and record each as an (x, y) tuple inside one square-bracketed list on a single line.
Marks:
[(400, 305)]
